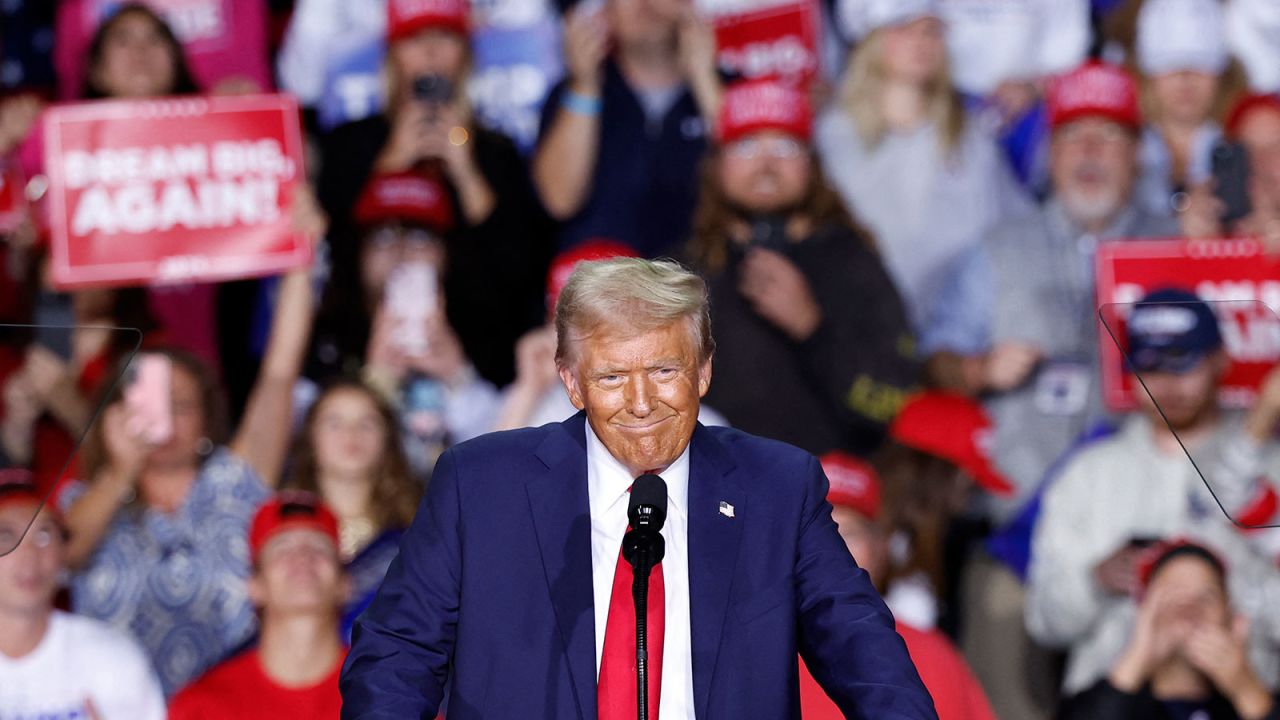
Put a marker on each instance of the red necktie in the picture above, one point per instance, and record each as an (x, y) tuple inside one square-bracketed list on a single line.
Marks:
[(616, 690)]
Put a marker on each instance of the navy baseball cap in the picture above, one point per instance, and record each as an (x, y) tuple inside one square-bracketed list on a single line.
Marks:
[(1171, 330)]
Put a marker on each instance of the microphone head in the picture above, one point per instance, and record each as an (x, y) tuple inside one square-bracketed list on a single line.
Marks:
[(647, 507)]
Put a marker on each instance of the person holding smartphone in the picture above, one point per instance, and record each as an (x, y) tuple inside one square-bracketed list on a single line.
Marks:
[(498, 242), (814, 347), (1187, 84), (1109, 499), (1243, 197), (159, 516), (622, 134), (409, 352)]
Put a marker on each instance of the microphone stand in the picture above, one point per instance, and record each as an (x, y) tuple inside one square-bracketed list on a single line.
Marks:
[(640, 594), (645, 548)]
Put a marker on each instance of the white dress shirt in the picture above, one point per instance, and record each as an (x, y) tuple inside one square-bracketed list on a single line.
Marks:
[(607, 484)]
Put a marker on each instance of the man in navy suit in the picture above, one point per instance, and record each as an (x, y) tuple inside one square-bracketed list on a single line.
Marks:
[(505, 584)]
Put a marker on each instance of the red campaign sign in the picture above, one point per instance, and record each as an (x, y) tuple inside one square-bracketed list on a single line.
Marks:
[(767, 38), (13, 198), (1237, 277), (173, 190)]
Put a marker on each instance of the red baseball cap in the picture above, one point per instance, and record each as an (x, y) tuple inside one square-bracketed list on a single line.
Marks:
[(407, 17), (757, 105), (405, 196), (290, 510), (854, 483), (954, 428), (1244, 107), (564, 263), (17, 487), (1093, 89)]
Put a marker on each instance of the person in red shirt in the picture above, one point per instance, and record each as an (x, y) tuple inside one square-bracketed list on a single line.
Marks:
[(299, 587), (855, 501)]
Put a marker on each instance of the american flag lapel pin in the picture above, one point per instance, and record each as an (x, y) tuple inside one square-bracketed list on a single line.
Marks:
[(726, 509)]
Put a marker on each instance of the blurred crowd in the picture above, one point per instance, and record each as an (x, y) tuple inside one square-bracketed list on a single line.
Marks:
[(899, 254)]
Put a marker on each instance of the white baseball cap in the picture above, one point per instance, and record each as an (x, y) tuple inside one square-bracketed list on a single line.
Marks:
[(1253, 33), (857, 18), (1178, 35)]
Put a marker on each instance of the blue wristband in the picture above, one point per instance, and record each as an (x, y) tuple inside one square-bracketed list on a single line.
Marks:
[(581, 104)]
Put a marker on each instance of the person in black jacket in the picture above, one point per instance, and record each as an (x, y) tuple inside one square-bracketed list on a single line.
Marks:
[(814, 347), (499, 249), (1187, 657)]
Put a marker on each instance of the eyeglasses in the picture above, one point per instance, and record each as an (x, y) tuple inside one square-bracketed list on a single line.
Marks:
[(39, 537), (1107, 134), (779, 148)]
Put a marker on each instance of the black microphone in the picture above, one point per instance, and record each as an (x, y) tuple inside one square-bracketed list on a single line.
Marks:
[(647, 511), (643, 548)]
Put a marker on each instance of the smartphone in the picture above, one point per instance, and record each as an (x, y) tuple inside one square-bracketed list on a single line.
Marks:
[(1231, 181), (411, 298), (432, 89), (769, 232), (148, 398)]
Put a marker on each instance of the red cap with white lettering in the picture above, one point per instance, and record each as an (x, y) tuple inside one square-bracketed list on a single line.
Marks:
[(1094, 89), (854, 483), (758, 105), (408, 17), (564, 263), (408, 197)]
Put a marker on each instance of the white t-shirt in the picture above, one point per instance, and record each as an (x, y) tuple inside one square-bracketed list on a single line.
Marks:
[(80, 660)]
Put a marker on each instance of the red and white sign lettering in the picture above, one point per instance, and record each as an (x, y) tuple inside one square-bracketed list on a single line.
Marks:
[(1239, 280), (169, 190), (766, 38)]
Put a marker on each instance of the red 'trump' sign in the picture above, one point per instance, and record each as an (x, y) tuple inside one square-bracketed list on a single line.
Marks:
[(1237, 277), (766, 38), (174, 189)]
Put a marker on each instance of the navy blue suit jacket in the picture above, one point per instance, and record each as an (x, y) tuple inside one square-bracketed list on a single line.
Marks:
[(491, 595)]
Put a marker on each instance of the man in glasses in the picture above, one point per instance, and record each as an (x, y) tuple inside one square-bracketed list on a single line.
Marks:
[(814, 345), (54, 664)]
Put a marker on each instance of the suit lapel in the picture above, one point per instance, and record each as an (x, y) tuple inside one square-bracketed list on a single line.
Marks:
[(562, 521), (713, 554)]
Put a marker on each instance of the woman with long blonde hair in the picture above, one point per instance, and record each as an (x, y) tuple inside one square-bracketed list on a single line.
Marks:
[(898, 148)]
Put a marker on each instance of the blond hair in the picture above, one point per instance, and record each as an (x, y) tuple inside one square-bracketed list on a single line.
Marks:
[(633, 294), (863, 84)]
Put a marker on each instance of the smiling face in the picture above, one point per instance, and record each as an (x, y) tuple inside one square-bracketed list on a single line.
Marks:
[(641, 390)]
